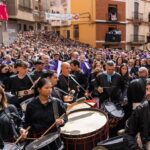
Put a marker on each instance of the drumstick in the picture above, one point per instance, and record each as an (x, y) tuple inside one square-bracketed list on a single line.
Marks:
[(88, 104), (20, 137), (52, 125), (35, 83)]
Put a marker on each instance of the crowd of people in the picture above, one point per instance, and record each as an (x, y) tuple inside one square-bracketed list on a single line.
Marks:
[(50, 72)]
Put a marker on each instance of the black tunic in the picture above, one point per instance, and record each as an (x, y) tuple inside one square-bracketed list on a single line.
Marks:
[(67, 84), (41, 116), (16, 85)]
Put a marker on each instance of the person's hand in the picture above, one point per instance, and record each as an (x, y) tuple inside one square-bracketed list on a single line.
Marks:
[(68, 98), (59, 122), (23, 133), (100, 89)]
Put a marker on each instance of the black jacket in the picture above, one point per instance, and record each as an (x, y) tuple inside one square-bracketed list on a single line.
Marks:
[(138, 122), (113, 90), (136, 90)]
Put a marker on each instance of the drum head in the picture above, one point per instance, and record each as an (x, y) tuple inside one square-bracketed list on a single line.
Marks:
[(43, 141), (84, 121), (113, 110), (79, 106), (10, 146)]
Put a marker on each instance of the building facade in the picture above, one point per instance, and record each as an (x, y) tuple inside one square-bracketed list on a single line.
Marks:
[(101, 23), (24, 15), (138, 24)]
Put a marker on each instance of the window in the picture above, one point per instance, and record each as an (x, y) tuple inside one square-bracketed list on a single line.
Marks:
[(149, 17), (19, 27), (76, 31), (112, 13), (25, 3), (68, 34)]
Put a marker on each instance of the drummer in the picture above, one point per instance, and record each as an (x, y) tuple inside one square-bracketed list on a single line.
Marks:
[(8, 120), (20, 84), (42, 112)]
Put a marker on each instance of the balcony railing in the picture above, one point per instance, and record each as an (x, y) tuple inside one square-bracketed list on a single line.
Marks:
[(113, 36), (137, 16), (138, 38)]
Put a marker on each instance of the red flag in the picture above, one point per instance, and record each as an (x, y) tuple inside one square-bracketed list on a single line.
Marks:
[(3, 12)]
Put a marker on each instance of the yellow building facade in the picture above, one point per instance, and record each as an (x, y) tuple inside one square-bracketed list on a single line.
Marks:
[(83, 29)]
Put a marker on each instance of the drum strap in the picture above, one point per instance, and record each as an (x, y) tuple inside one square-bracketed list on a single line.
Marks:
[(55, 109)]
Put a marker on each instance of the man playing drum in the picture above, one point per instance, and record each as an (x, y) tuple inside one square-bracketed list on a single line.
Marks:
[(139, 122)]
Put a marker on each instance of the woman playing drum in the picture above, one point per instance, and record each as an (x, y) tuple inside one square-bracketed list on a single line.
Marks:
[(42, 112)]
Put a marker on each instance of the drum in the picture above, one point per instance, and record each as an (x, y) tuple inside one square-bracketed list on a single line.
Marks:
[(87, 104), (115, 114), (115, 143), (99, 148), (51, 140), (25, 103), (84, 129), (10, 146)]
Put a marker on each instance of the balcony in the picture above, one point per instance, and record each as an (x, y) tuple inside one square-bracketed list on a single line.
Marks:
[(112, 17), (137, 17), (113, 36), (138, 39)]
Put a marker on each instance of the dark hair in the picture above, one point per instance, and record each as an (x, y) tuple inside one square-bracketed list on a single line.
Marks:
[(20, 63), (39, 85), (48, 74), (110, 63), (147, 82), (75, 63)]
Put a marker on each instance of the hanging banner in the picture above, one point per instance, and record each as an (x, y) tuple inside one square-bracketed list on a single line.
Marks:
[(61, 17), (3, 12)]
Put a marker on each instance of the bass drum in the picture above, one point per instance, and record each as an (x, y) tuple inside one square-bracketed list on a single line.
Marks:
[(11, 146), (115, 114), (85, 104), (84, 129)]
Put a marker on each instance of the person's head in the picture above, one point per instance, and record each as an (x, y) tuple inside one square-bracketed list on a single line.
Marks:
[(43, 87), (52, 76), (75, 65), (74, 55), (119, 61), (143, 72), (124, 69), (3, 99), (8, 58), (39, 65), (147, 95), (56, 56), (4, 69), (46, 59), (65, 68), (131, 62), (82, 58), (22, 67), (148, 60), (110, 67)]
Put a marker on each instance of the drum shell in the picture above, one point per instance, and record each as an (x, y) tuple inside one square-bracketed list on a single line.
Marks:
[(113, 120), (85, 141)]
